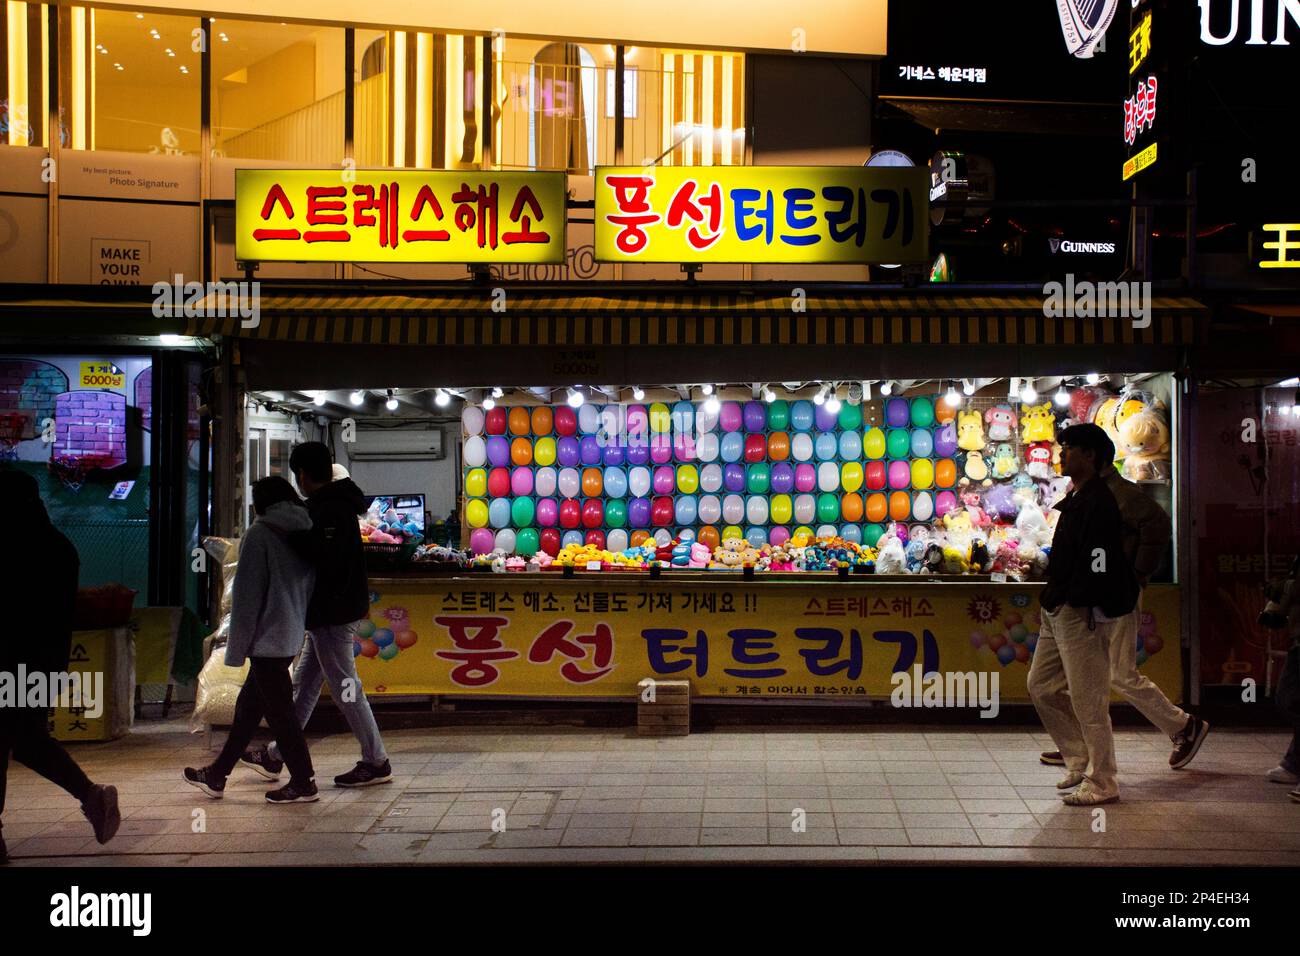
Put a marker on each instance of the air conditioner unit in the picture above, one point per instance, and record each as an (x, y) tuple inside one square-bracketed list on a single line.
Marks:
[(394, 444)]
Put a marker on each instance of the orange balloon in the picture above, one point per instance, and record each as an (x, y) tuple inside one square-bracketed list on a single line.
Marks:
[(639, 538), (943, 412), (708, 535), (877, 508), (778, 446), (945, 473), (851, 507), (519, 422), (900, 506), (592, 482), (521, 452), (542, 420)]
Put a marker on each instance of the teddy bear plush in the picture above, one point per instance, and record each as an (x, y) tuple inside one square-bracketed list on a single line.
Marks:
[(1144, 445), (781, 560)]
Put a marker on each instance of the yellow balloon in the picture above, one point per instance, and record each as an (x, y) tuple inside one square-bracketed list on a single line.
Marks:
[(873, 444), (476, 513), (688, 479), (922, 473), (731, 531), (476, 483), (781, 508), (661, 419), (804, 530), (851, 476), (544, 451)]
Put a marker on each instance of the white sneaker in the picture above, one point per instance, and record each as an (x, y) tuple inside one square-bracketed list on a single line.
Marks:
[(1089, 796), (1070, 781), (1280, 774)]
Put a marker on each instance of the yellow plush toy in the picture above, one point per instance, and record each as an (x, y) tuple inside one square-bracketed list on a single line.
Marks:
[(1144, 445), (1037, 423), (970, 431)]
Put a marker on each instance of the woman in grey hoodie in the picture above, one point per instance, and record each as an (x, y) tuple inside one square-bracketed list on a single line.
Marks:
[(267, 622)]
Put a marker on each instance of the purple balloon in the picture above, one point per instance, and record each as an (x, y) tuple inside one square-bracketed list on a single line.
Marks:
[(521, 482), (782, 478), (731, 418), (900, 474), (615, 454), (498, 452), (638, 420), (548, 512), (661, 448), (898, 413), (589, 449), (805, 477), (638, 512), (567, 451), (754, 417), (637, 453), (665, 479), (480, 542), (824, 419), (733, 477), (945, 441)]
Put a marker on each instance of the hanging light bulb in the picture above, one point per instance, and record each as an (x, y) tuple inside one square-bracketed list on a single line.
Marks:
[(441, 398), (820, 397), (707, 390), (1093, 378), (638, 393), (489, 403), (833, 401), (318, 399), (1028, 394), (1062, 396), (769, 396), (886, 388), (391, 404), (575, 398), (497, 393), (357, 397), (952, 399), (968, 386), (711, 405)]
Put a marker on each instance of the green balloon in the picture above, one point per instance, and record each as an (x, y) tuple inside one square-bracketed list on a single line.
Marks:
[(778, 416), (758, 478), (898, 443), (828, 508), (521, 512), (527, 542), (871, 534), (389, 652), (922, 412), (616, 513), (850, 417)]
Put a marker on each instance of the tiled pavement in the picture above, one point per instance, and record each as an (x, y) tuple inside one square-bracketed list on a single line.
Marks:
[(876, 794)]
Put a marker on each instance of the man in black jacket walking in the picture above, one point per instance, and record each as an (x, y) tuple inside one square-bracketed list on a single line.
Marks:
[(1090, 587), (339, 602)]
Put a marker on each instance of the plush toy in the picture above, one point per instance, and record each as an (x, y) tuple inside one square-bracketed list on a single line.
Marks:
[(959, 527), (954, 561), (979, 556), (1144, 445), (1038, 460), (781, 560), (1004, 461), (731, 553), (970, 431), (1057, 488), (1006, 560), (976, 469), (933, 561), (1001, 420), (892, 558), (1037, 423), (1000, 502), (1031, 526), (974, 507), (700, 555), (917, 544)]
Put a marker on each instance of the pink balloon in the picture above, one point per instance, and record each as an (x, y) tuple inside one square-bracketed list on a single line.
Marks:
[(805, 477), (731, 418), (548, 512), (944, 502), (665, 480), (521, 482), (480, 542), (900, 474), (778, 536), (661, 448)]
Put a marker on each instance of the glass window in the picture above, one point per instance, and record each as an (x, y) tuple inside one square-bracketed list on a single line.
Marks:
[(690, 109), (277, 91), (24, 74), (371, 139)]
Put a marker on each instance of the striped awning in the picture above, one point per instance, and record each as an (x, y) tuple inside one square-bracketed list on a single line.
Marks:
[(465, 318)]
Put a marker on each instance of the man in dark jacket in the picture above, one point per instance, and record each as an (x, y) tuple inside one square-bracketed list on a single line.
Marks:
[(339, 602), (1090, 588), (44, 578)]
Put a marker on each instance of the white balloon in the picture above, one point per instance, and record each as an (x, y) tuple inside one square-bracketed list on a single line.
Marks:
[(505, 540), (471, 419), (923, 506), (709, 509), (663, 538), (826, 531), (805, 508), (733, 509), (616, 540), (828, 476), (706, 421), (611, 430), (475, 451), (801, 447), (711, 478), (756, 510), (638, 481), (588, 419), (545, 482), (706, 447), (570, 482)]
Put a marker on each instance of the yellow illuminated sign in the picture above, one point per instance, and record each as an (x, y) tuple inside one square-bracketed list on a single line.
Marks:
[(1135, 164), (333, 215), (1284, 245), (101, 375), (762, 214), (1139, 44)]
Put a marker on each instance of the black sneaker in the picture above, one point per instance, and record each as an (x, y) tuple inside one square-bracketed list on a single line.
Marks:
[(1052, 758), (262, 763), (1188, 742), (295, 793), (207, 781), (100, 808), (365, 775)]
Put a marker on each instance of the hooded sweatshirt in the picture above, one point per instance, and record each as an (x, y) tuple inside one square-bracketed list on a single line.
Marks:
[(334, 547), (273, 585)]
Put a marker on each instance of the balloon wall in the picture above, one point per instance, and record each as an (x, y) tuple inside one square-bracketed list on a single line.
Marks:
[(543, 477)]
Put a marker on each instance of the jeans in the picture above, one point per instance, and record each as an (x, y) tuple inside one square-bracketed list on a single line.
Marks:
[(25, 731), (1129, 682), (1291, 761), (267, 693), (327, 656)]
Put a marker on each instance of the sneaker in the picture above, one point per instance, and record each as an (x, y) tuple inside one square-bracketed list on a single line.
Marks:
[(1088, 796), (1070, 781), (100, 808), (365, 775), (1280, 774), (262, 763), (1188, 742), (295, 793), (207, 781), (1052, 758), (1295, 794)]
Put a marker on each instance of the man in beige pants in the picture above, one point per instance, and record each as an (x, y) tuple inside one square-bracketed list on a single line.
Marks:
[(1146, 533)]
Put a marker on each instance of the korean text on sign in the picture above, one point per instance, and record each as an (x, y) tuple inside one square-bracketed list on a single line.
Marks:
[(333, 215), (789, 214)]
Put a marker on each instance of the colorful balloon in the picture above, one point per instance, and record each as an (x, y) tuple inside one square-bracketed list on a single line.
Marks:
[(615, 482), (499, 512), (593, 482), (522, 512), (616, 540), (805, 477), (943, 412), (521, 452), (828, 508), (778, 415), (731, 532), (595, 538), (505, 541), (664, 480), (709, 509), (685, 509), (805, 508), (570, 513), (850, 418), (639, 481), (802, 416), (571, 538), (777, 537), (778, 446), (826, 447), (568, 452), (471, 420), (684, 446), (731, 418), (637, 451), (707, 447), (521, 481), (565, 420), (923, 506), (661, 448), (593, 513), (851, 476), (873, 444), (900, 506), (662, 511), (733, 477), (754, 416), (616, 513), (545, 482), (944, 502), (828, 476), (614, 454), (683, 418), (922, 412), (544, 451), (875, 475), (550, 541), (900, 474), (519, 421), (589, 419), (711, 478), (476, 513), (871, 534), (757, 537), (758, 479), (945, 473), (548, 512), (922, 473), (475, 451), (732, 447), (782, 478), (898, 443), (850, 446), (851, 507), (877, 507), (661, 419), (782, 508), (476, 483), (708, 535), (589, 450), (498, 451), (823, 418), (897, 413), (639, 512), (733, 509), (494, 423), (706, 421), (851, 532), (922, 443), (542, 420), (480, 541), (570, 483), (756, 509), (945, 441), (801, 447), (638, 421)]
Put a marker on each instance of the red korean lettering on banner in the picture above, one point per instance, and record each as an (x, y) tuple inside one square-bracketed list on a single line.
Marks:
[(524, 201), (478, 645), (275, 196), (326, 206), (686, 205), (554, 640), (386, 207), (477, 209), (635, 213), (426, 199)]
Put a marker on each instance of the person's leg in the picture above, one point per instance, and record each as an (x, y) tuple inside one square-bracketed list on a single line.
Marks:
[(308, 678), (275, 688), (1085, 654), (334, 647), (36, 749), (1290, 762), (248, 715), (1133, 686), (1049, 690)]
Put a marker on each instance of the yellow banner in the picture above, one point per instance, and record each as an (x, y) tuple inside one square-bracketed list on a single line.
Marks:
[(761, 214), (101, 375), (333, 215), (1140, 161), (597, 636)]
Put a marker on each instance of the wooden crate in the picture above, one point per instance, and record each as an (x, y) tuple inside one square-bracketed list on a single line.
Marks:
[(669, 714)]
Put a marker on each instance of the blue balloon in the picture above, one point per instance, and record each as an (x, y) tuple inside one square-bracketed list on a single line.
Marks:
[(801, 416), (922, 442), (356, 649), (686, 535), (615, 482), (683, 418), (383, 636), (733, 477), (757, 537), (733, 446), (851, 532), (499, 512), (826, 447), (684, 509), (851, 446), (571, 537), (824, 418)]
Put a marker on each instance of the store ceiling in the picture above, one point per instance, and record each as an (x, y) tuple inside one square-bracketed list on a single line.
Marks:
[(1063, 119)]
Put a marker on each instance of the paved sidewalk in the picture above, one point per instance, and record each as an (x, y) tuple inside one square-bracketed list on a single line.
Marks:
[(878, 794)]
